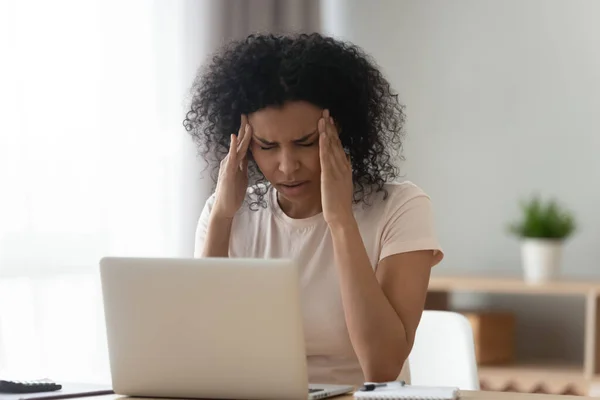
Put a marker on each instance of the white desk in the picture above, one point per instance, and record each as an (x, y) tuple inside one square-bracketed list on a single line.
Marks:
[(466, 394)]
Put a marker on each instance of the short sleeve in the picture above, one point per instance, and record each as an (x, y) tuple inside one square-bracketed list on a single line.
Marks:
[(202, 226), (410, 226)]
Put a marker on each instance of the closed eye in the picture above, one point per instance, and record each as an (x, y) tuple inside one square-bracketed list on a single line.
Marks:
[(307, 144), (299, 144), (263, 145)]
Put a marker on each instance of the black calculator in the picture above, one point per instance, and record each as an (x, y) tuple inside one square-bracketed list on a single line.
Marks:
[(28, 386)]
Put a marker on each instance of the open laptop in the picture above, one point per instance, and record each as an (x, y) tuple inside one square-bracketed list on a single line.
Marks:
[(206, 328)]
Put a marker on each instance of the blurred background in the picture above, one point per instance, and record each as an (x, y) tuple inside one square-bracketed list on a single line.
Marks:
[(502, 100)]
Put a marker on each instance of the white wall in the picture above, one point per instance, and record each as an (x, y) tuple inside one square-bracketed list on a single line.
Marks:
[(503, 100)]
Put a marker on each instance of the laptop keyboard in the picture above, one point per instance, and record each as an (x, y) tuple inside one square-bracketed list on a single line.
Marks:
[(315, 390)]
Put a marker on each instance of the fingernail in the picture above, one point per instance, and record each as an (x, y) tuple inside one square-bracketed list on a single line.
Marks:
[(326, 113), (247, 128)]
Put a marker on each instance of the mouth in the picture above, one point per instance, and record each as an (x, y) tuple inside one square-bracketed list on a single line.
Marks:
[(292, 184), (292, 189)]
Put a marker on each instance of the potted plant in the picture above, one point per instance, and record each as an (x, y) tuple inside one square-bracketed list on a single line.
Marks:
[(543, 229)]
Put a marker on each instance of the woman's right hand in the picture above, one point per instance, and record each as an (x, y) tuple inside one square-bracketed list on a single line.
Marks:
[(232, 182)]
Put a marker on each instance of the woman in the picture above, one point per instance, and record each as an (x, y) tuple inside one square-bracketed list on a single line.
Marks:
[(307, 177)]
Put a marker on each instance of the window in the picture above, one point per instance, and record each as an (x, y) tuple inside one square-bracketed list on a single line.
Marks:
[(94, 161)]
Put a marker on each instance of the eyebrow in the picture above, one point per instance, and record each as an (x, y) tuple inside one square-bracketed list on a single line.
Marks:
[(300, 140)]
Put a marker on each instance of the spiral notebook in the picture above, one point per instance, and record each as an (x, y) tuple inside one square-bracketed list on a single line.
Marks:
[(410, 392)]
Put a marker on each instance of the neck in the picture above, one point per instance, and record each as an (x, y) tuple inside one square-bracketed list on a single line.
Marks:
[(299, 209)]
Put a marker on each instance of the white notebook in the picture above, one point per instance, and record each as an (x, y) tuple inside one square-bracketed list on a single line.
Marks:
[(411, 392)]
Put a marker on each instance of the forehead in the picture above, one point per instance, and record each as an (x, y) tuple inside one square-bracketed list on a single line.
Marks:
[(292, 120)]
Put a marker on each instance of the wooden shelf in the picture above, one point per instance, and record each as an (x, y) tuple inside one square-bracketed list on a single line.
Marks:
[(548, 377), (533, 370), (531, 377), (510, 285)]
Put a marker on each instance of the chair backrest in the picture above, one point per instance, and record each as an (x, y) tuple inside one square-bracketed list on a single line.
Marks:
[(444, 352)]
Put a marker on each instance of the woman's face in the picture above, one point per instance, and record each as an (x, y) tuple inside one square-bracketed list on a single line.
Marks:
[(285, 146)]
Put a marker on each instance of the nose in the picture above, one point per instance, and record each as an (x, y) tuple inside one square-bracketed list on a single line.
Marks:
[(288, 162)]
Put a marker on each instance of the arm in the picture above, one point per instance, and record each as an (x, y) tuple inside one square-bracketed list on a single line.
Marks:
[(382, 310), (213, 232), (216, 241), (214, 228)]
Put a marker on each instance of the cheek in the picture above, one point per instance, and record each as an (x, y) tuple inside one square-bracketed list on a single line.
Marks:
[(311, 160), (261, 161), (266, 163)]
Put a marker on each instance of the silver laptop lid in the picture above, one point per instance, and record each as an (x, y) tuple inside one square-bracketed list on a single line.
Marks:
[(211, 328)]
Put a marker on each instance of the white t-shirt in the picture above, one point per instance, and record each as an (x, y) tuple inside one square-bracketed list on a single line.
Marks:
[(401, 223)]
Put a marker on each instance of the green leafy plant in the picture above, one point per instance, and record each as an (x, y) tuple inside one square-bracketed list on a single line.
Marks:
[(543, 220)]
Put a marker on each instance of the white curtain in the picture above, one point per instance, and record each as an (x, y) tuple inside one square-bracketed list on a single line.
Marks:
[(234, 19), (94, 160)]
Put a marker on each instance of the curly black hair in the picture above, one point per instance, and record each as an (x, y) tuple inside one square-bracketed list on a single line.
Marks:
[(266, 70)]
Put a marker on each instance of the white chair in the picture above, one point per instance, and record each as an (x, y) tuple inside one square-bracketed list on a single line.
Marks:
[(444, 352)]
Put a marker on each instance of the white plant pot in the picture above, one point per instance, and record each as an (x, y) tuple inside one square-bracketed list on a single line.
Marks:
[(541, 259)]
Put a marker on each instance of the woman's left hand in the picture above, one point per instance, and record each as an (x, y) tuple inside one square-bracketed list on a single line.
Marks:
[(336, 175)]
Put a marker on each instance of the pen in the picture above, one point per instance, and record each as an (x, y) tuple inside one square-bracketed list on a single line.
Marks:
[(369, 387)]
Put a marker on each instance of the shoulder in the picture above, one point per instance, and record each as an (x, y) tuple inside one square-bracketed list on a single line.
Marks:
[(397, 196), (403, 192), (407, 220), (400, 208), (408, 202)]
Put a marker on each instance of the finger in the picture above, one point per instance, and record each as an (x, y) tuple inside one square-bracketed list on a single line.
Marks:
[(331, 153), (232, 146), (245, 143), (332, 129), (337, 153), (327, 119), (323, 146), (244, 165), (232, 156), (242, 131), (344, 157)]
